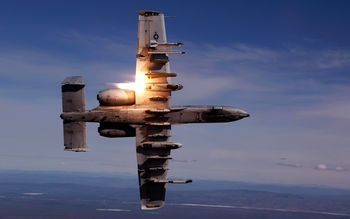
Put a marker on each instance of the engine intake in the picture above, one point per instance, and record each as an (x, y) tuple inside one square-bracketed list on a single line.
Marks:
[(116, 97)]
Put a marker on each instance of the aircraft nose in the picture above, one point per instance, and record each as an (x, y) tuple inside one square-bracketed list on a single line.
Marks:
[(243, 113), (236, 114)]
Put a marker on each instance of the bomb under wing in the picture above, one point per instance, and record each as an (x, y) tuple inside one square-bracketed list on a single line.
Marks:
[(143, 112)]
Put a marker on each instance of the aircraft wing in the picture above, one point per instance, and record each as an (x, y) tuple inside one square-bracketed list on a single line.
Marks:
[(153, 87), (152, 164), (153, 92)]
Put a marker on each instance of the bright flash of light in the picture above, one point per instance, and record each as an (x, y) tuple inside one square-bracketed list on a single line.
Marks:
[(140, 82), (126, 86), (138, 85)]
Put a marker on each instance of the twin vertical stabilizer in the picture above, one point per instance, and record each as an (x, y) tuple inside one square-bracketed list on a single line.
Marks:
[(73, 100)]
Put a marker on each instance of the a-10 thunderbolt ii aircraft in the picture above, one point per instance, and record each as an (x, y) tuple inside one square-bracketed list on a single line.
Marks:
[(143, 112)]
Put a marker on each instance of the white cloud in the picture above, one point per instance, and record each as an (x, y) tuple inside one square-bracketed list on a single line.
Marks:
[(321, 167), (339, 168), (328, 168)]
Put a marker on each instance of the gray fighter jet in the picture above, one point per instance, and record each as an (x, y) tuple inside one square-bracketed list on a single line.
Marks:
[(142, 111)]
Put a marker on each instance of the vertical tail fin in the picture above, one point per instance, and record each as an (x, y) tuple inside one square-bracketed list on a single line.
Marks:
[(73, 94), (73, 100)]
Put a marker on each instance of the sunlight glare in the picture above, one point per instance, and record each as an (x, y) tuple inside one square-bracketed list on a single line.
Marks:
[(139, 82), (138, 85)]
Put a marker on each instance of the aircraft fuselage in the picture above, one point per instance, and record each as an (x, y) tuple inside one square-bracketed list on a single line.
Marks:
[(176, 115)]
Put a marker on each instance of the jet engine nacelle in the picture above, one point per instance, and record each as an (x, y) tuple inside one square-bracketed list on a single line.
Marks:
[(112, 130), (116, 97)]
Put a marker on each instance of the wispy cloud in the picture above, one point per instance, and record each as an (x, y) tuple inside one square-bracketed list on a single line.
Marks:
[(295, 165), (270, 58), (91, 56), (116, 46), (34, 193), (242, 67), (198, 87), (280, 73), (239, 53), (335, 110), (32, 64), (321, 59), (27, 73), (322, 166)]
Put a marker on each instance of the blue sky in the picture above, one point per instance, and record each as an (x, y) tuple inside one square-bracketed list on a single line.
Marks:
[(286, 63)]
